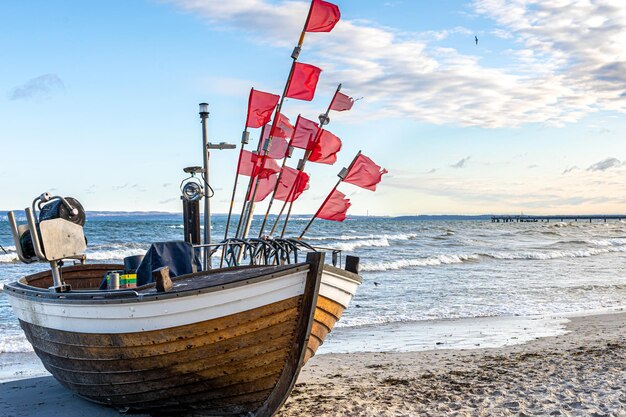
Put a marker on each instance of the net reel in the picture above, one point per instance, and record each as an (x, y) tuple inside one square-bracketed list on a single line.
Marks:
[(53, 232)]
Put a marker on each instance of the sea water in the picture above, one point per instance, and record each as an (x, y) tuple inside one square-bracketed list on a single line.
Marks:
[(426, 283)]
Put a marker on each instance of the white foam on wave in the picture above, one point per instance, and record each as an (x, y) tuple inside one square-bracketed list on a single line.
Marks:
[(581, 253), (609, 242), (8, 258), (399, 236), (14, 344), (115, 254), (349, 246), (411, 263)]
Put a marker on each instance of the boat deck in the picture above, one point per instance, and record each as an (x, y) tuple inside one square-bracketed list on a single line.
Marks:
[(216, 278), (85, 280)]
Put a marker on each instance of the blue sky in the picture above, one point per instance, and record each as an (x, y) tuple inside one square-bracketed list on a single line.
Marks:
[(98, 100)]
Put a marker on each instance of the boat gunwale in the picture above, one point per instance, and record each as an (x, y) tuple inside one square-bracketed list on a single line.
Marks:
[(344, 274), (19, 289)]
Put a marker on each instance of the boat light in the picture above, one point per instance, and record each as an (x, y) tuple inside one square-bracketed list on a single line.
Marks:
[(192, 191)]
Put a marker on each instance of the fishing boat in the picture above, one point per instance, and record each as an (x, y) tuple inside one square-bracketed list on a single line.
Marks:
[(225, 341)]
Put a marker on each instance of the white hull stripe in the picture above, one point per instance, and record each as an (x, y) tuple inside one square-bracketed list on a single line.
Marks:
[(337, 288), (159, 314)]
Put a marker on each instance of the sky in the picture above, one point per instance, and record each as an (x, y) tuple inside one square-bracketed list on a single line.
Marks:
[(99, 100)]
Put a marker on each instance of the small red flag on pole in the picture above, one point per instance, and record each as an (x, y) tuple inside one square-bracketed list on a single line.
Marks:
[(282, 129), (323, 16), (265, 187), (278, 149), (305, 134), (335, 208), (260, 108), (292, 184), (341, 102), (303, 82), (250, 165), (326, 149), (365, 173)]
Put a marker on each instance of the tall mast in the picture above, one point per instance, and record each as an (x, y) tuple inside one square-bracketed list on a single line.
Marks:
[(294, 56)]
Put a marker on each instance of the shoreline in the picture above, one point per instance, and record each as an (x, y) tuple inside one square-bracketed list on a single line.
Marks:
[(579, 372)]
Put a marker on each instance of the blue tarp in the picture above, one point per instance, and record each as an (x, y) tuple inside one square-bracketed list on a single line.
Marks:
[(179, 256)]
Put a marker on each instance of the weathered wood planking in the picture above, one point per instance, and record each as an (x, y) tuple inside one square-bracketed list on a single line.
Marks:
[(241, 363)]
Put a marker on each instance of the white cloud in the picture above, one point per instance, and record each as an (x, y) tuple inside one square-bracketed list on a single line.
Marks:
[(570, 61)]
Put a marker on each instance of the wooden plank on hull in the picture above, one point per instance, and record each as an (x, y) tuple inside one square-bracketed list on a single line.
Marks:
[(157, 337), (164, 362), (330, 307), (180, 344), (220, 386), (296, 360)]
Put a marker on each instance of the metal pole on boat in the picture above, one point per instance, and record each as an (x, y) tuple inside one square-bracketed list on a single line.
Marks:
[(245, 139), (204, 115), (244, 209), (343, 174), (324, 120)]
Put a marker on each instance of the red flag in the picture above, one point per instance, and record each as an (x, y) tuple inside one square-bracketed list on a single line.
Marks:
[(279, 146), (326, 148), (260, 108), (323, 16), (365, 173), (292, 184), (264, 188), (303, 82), (305, 134), (341, 102), (283, 128), (335, 207), (250, 165)]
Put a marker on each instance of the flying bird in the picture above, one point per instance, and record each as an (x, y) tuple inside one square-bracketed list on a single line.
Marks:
[(476, 39)]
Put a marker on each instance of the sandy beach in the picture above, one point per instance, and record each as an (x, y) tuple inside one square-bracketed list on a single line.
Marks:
[(580, 373)]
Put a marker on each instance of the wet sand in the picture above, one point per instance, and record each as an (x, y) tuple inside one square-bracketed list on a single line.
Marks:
[(580, 373)]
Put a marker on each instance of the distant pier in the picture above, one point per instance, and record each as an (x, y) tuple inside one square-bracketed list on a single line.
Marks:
[(559, 218)]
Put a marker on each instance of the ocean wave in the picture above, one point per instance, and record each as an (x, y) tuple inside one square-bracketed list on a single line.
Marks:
[(399, 236), (581, 253), (349, 246), (14, 344), (411, 263), (609, 242), (9, 258), (114, 254)]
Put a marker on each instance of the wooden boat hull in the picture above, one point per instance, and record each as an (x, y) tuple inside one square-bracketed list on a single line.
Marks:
[(337, 288), (240, 355)]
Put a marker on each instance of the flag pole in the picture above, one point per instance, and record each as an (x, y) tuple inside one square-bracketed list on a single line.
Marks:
[(294, 187), (278, 177), (250, 182), (245, 139), (294, 55), (342, 175), (324, 120)]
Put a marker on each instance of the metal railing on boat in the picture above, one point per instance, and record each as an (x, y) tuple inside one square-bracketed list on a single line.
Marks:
[(253, 251)]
